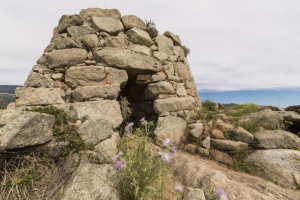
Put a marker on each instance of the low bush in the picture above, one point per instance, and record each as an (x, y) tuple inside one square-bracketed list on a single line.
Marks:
[(209, 105), (149, 23), (244, 109), (186, 50)]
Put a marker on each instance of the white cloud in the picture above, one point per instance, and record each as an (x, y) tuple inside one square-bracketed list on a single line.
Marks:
[(235, 45)]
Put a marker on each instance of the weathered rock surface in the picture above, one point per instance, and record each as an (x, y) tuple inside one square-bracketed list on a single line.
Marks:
[(78, 32), (229, 145), (109, 25), (154, 89), (88, 13), (66, 58), (160, 55), (85, 76), (222, 157), (40, 96), (107, 109), (242, 135), (95, 130), (173, 37), (138, 36), (107, 148), (61, 41), (140, 49), (180, 90), (274, 108), (290, 116), (169, 127), (276, 139), (267, 118), (115, 42), (20, 129), (293, 108), (197, 130), (132, 21), (116, 76), (173, 104), (182, 69), (81, 94), (152, 31), (38, 80), (216, 133), (206, 143), (68, 20), (196, 172), (92, 181), (281, 163), (90, 40), (131, 62), (165, 45)]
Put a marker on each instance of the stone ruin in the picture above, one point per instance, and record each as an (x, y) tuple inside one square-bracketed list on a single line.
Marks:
[(99, 56), (116, 69)]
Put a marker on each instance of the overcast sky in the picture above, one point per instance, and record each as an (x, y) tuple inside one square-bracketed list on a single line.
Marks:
[(235, 45)]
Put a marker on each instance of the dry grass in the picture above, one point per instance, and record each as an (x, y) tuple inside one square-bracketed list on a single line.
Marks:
[(29, 176)]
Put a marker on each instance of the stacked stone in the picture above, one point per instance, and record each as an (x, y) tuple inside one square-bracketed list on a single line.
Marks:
[(97, 56)]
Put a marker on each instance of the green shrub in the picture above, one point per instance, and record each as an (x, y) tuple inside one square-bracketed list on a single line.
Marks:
[(244, 109), (149, 23), (209, 105), (142, 176), (186, 50), (250, 126)]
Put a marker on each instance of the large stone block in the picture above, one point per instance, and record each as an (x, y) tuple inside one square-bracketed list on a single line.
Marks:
[(107, 110), (20, 129), (116, 76), (155, 89), (93, 182), (40, 96), (130, 61), (276, 139), (65, 58), (173, 104), (81, 94), (132, 21), (140, 49), (38, 80), (78, 32), (85, 76), (109, 25), (68, 20), (138, 36), (115, 42), (165, 45), (169, 127), (173, 37)]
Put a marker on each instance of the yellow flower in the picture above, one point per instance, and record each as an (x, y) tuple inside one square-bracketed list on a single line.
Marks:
[(17, 100)]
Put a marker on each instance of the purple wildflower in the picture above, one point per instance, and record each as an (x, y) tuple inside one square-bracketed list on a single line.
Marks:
[(119, 165), (115, 158), (179, 189), (166, 157), (174, 151), (168, 142), (143, 121), (128, 128), (221, 194)]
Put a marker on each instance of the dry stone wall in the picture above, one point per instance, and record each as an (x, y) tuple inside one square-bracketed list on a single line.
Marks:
[(100, 55)]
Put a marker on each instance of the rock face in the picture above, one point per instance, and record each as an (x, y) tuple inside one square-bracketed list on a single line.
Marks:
[(169, 127), (200, 173), (280, 164), (91, 181), (138, 36), (20, 129), (110, 25), (132, 21), (276, 139), (267, 118), (173, 104)]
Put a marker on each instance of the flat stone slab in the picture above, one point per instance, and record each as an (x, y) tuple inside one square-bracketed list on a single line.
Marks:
[(20, 129), (65, 58), (128, 60), (93, 182), (106, 109), (229, 145), (81, 94), (109, 25), (173, 104), (283, 164), (276, 139)]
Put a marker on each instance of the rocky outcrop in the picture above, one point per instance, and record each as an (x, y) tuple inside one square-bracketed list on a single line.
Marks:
[(280, 165), (19, 129), (200, 173)]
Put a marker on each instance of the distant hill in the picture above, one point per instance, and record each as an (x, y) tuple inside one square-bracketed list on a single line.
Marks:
[(5, 99), (8, 88)]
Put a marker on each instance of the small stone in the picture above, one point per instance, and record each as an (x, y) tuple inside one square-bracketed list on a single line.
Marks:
[(104, 34), (152, 31), (90, 40), (75, 125), (191, 148), (222, 157), (154, 47), (90, 55), (203, 152), (206, 143), (217, 134), (90, 62)]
